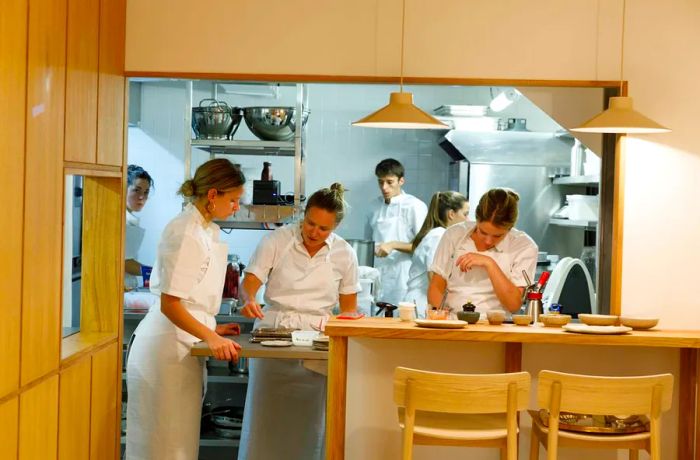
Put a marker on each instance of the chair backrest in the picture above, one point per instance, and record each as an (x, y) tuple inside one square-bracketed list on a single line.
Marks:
[(460, 393), (587, 394)]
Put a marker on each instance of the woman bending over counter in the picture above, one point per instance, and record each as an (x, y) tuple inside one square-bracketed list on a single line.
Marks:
[(482, 262)]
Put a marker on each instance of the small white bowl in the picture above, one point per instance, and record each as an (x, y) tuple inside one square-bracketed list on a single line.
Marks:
[(496, 317), (639, 323), (598, 320), (555, 320), (522, 320), (304, 338)]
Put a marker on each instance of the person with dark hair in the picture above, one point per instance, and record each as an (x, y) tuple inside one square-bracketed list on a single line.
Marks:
[(445, 210), (482, 262), (138, 187), (307, 270), (394, 221), (164, 380)]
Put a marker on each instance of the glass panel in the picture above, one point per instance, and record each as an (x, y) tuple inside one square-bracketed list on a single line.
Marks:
[(72, 253)]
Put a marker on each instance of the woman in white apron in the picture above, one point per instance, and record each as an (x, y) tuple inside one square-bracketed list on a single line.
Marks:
[(139, 184), (446, 209), (307, 270), (482, 262), (164, 381)]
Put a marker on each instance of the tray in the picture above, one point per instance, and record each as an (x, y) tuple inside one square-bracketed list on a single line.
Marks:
[(610, 424)]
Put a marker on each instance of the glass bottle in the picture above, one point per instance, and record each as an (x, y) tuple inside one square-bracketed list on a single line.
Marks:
[(267, 171)]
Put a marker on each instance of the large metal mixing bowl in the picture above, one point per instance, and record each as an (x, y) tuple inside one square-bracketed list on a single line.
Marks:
[(215, 120), (272, 123)]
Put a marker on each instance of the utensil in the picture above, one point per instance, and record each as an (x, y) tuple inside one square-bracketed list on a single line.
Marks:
[(215, 120), (273, 123)]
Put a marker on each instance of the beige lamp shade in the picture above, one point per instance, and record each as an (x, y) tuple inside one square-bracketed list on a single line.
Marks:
[(620, 117), (400, 113)]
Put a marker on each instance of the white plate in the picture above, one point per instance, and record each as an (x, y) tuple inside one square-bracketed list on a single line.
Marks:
[(276, 343), (586, 329), (441, 323)]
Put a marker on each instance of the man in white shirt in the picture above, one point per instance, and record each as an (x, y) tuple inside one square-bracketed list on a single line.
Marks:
[(394, 220)]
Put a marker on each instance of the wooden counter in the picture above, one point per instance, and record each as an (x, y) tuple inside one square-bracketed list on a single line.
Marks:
[(687, 342), (255, 350)]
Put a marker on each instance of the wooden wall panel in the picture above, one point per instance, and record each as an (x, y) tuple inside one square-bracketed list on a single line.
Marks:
[(9, 432), (43, 201), (38, 421), (74, 413), (110, 125), (81, 80), (13, 49), (104, 430), (103, 223)]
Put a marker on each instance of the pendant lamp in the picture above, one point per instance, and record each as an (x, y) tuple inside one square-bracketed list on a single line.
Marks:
[(620, 116), (400, 113)]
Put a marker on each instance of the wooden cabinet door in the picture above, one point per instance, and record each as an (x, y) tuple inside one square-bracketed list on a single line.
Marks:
[(74, 416), (13, 49), (9, 412), (81, 80), (43, 203), (38, 421), (111, 100), (106, 411)]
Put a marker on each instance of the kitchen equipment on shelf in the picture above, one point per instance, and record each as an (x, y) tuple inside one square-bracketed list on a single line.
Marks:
[(364, 250), (266, 192), (266, 171), (571, 286), (215, 120), (583, 207), (273, 123)]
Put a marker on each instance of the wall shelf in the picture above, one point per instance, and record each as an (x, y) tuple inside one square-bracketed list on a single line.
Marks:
[(574, 223), (577, 180), (271, 148), (252, 216)]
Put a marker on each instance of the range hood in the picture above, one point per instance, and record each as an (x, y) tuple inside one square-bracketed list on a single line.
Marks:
[(513, 147)]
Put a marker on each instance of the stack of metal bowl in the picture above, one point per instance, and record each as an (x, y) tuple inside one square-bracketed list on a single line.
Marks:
[(215, 120), (273, 123)]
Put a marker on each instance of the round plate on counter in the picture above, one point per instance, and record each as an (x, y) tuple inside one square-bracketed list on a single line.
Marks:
[(586, 329), (276, 343), (441, 323)]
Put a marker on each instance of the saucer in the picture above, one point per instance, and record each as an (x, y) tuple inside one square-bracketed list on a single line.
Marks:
[(441, 323), (586, 329)]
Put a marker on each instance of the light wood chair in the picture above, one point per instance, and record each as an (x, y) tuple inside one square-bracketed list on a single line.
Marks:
[(645, 395), (475, 410)]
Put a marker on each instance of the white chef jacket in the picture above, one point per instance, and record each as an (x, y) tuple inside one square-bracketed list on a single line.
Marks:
[(133, 239), (297, 284), (399, 220), (421, 260), (515, 253)]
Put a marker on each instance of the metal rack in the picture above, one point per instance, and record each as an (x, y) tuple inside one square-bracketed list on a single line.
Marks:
[(255, 216)]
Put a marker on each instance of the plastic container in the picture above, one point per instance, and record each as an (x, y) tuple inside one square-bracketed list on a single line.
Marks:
[(304, 338), (583, 207)]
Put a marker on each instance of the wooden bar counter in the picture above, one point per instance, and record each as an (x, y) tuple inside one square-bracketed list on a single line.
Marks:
[(633, 353)]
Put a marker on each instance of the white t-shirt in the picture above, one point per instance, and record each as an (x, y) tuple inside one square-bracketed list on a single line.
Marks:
[(420, 262), (515, 253), (300, 283), (399, 220)]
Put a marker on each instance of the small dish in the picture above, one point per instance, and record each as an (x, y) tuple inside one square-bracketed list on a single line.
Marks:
[(496, 317), (522, 320), (438, 314), (598, 320), (639, 323), (276, 343), (470, 317), (555, 320)]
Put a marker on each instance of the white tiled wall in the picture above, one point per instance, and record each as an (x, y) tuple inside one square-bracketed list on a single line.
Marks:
[(335, 151)]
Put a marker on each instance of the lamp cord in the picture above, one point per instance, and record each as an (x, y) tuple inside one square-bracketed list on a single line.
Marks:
[(622, 44), (403, 22)]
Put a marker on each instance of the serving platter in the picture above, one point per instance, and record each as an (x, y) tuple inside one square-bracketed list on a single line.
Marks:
[(586, 329), (441, 323)]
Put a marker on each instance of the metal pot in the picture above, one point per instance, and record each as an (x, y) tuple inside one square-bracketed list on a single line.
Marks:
[(273, 123), (364, 250), (215, 120)]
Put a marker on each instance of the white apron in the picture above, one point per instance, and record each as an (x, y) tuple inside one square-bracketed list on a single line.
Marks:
[(392, 226), (165, 383), (285, 404)]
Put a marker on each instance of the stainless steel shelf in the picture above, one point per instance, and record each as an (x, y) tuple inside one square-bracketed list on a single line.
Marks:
[(253, 216), (267, 148), (220, 374), (577, 180), (574, 223)]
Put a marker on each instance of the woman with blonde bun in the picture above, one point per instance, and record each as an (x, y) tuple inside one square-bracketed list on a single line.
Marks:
[(307, 270)]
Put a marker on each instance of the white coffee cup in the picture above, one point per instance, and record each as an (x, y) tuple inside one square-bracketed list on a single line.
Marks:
[(407, 311)]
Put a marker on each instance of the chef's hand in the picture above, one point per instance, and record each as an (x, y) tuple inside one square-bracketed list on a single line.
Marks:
[(228, 329), (223, 348), (252, 310), (467, 261), (383, 249)]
